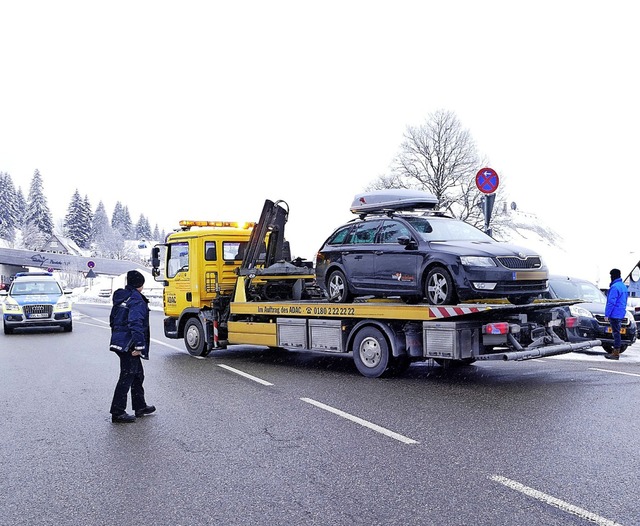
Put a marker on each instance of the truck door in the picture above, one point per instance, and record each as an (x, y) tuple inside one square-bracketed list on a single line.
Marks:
[(396, 265)]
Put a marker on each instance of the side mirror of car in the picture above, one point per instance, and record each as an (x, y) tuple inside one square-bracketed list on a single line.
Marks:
[(406, 241)]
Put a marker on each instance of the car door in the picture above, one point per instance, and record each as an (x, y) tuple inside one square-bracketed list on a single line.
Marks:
[(396, 265), (358, 256)]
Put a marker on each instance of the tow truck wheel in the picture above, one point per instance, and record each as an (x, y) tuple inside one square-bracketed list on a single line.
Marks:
[(371, 352), (194, 337), (338, 288), (439, 288)]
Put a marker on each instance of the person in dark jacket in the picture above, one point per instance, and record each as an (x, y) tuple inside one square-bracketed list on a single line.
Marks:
[(615, 310), (130, 338)]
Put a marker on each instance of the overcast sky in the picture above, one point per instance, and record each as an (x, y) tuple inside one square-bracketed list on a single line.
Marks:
[(202, 109)]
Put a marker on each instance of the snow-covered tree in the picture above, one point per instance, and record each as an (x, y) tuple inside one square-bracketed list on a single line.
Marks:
[(9, 211), (21, 204), (100, 227), (440, 157), (37, 216), (143, 228), (121, 221), (76, 226)]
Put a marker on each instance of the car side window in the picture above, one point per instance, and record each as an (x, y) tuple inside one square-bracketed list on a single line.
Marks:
[(391, 231), (339, 237), (364, 233)]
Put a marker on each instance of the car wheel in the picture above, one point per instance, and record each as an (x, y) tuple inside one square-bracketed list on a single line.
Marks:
[(8, 330), (68, 327), (337, 288), (371, 352), (439, 288)]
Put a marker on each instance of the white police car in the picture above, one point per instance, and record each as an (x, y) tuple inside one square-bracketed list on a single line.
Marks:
[(36, 299)]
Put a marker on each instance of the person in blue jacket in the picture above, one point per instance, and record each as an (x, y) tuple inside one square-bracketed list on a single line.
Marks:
[(615, 310), (130, 338)]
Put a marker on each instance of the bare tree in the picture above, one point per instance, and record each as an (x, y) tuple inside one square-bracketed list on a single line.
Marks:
[(440, 157)]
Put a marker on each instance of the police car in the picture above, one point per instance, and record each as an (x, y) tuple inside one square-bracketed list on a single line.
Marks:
[(36, 299)]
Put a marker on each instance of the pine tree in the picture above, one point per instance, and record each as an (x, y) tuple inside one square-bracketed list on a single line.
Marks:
[(75, 222), (37, 217), (9, 213), (143, 228), (21, 206), (87, 216), (121, 221), (156, 234), (128, 229), (100, 227)]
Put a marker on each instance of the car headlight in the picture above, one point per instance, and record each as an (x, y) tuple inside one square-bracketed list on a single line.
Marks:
[(477, 261), (575, 310), (62, 305), (11, 306)]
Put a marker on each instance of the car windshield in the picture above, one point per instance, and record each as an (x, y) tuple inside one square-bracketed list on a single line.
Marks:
[(446, 229), (582, 290), (34, 287)]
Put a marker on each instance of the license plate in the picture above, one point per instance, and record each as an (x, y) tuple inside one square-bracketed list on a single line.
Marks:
[(622, 331), (39, 315)]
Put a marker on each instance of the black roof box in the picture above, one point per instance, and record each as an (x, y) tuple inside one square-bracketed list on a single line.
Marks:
[(392, 200)]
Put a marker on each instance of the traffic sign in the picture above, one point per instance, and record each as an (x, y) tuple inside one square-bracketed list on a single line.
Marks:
[(487, 180), (90, 264)]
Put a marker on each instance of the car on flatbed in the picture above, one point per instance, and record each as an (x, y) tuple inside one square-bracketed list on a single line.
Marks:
[(399, 246), (36, 299), (586, 320)]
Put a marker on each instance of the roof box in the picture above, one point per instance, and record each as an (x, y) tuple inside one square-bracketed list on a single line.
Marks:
[(392, 200)]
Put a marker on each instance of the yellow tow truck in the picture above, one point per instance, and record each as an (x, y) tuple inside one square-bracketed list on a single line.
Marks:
[(236, 284)]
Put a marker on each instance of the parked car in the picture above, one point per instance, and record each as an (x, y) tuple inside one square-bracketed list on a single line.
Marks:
[(586, 320), (36, 299), (398, 247)]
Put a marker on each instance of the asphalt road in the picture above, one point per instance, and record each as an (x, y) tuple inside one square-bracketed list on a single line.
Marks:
[(251, 436)]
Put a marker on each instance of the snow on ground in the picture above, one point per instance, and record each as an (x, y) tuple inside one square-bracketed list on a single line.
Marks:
[(101, 288)]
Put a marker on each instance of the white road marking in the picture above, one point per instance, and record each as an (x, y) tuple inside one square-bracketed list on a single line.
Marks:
[(560, 504), (246, 375), (360, 421), (613, 372)]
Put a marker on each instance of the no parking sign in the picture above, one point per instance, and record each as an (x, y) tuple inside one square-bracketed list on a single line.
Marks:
[(487, 180)]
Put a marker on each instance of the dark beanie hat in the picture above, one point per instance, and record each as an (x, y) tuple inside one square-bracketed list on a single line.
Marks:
[(135, 279), (615, 273)]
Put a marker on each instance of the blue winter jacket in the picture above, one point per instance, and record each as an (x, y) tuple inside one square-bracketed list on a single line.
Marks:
[(616, 300), (129, 322)]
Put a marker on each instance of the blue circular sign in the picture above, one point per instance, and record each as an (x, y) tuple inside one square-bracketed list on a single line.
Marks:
[(90, 264)]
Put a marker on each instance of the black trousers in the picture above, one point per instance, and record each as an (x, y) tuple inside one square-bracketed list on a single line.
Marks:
[(131, 378)]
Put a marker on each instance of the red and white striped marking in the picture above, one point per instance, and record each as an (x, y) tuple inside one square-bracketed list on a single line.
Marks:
[(445, 312)]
